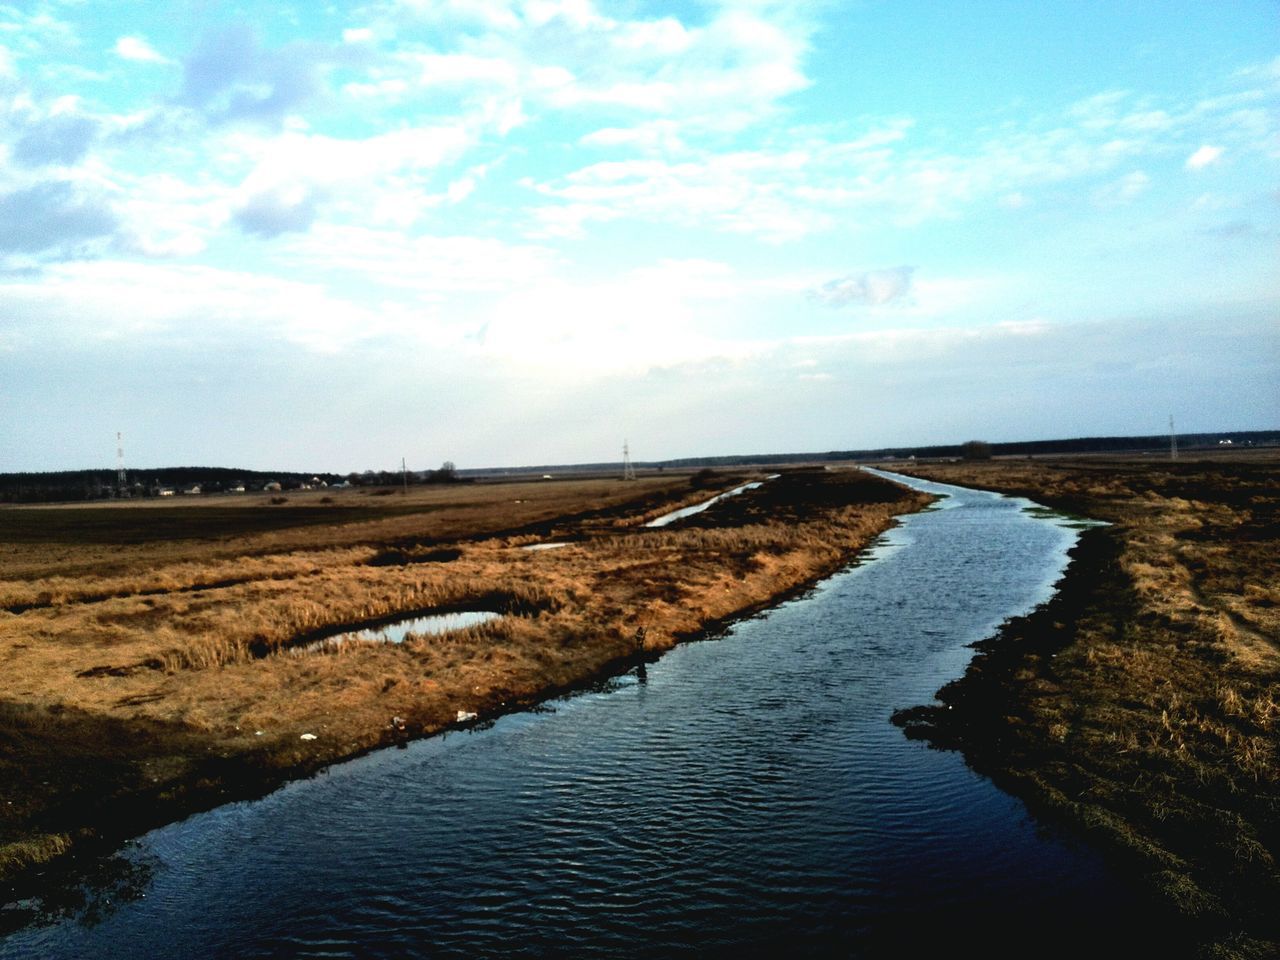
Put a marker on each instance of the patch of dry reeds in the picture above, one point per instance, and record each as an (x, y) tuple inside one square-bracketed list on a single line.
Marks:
[(1160, 713), (190, 640)]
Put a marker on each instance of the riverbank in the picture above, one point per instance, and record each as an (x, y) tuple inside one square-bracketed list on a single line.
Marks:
[(151, 676), (1142, 703)]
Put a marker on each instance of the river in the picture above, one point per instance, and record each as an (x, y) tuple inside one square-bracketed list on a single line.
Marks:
[(748, 796)]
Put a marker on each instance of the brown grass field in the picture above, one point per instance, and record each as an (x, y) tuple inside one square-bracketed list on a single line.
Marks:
[(150, 652), (1143, 702)]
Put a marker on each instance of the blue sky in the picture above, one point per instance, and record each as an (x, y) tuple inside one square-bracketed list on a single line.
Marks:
[(280, 235)]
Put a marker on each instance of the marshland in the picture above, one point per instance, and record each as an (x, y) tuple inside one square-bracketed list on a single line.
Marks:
[(151, 652), (1142, 704), (164, 659)]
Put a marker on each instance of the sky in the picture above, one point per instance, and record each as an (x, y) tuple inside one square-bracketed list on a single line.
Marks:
[(326, 237)]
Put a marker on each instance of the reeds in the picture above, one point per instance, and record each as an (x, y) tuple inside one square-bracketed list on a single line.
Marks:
[(188, 644)]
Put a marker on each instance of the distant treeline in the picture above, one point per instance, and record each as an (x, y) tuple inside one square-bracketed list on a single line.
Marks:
[(164, 481), (1187, 442), (73, 485), (64, 485)]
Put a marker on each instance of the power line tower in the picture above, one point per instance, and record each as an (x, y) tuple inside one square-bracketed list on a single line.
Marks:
[(628, 471), (1173, 440), (120, 477)]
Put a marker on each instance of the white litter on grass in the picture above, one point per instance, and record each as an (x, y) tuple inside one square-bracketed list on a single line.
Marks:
[(307, 736), (464, 716)]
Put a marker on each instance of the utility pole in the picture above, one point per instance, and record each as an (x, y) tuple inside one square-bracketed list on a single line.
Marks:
[(120, 477), (404, 477), (628, 471), (1173, 440)]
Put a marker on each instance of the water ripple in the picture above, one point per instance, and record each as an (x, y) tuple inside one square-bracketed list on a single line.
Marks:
[(750, 798)]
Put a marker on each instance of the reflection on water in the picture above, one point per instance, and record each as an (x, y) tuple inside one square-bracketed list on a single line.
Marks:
[(683, 512), (750, 798), (430, 625), (84, 890)]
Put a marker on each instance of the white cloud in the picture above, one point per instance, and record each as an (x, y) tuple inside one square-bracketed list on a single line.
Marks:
[(873, 288), (493, 14), (434, 267), (1100, 111), (296, 174), (138, 50), (164, 216), (159, 305), (389, 89), (745, 192), (652, 136), (592, 331), (1205, 156), (880, 177), (1122, 191), (460, 69), (565, 56)]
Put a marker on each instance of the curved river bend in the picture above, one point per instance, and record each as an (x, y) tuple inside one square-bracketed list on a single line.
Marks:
[(749, 797)]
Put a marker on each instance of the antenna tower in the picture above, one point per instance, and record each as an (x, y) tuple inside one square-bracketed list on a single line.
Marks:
[(120, 478), (1173, 440), (628, 471)]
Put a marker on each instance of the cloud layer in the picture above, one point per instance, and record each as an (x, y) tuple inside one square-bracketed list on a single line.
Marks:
[(524, 204)]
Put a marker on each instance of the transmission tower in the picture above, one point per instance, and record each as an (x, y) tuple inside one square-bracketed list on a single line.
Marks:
[(1173, 440), (120, 479), (628, 471)]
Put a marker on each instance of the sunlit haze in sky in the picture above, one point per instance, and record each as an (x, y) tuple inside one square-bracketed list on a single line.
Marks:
[(325, 236)]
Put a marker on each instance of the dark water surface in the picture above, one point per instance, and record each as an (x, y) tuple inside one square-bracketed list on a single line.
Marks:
[(749, 798)]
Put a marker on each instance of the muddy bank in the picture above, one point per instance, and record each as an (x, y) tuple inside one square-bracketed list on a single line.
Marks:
[(1140, 703)]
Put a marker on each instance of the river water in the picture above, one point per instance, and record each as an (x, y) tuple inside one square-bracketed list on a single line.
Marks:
[(747, 797)]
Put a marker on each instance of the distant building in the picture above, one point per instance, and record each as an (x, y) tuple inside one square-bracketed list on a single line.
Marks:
[(272, 487)]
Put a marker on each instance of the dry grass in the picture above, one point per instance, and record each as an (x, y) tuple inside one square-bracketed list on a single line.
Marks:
[(1151, 706), (189, 645)]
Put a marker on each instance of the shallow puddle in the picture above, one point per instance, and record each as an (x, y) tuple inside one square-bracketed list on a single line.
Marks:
[(683, 512), (430, 625)]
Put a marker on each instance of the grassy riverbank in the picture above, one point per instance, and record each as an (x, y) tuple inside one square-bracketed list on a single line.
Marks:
[(1143, 702), (153, 653)]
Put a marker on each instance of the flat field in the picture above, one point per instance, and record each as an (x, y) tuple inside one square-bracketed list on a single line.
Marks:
[(160, 657)]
